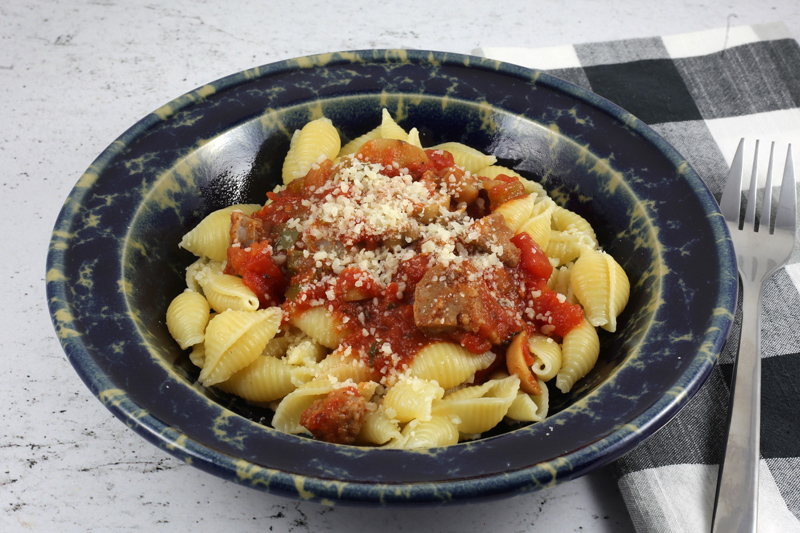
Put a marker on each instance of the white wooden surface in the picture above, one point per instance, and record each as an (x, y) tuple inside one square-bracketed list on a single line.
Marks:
[(74, 74)]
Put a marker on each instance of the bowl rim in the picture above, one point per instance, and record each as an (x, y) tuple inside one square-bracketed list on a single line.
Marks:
[(614, 445)]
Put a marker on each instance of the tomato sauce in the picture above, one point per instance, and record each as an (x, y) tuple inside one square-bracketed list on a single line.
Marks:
[(562, 315), (377, 321), (259, 272)]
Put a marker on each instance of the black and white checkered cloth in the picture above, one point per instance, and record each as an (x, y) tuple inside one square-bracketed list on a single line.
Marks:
[(702, 92)]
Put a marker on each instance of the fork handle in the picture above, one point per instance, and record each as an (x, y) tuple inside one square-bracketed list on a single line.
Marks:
[(736, 505)]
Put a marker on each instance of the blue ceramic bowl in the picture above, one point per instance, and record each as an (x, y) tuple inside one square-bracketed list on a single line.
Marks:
[(114, 265)]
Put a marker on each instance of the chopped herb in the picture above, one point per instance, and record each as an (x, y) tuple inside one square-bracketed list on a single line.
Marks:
[(373, 351)]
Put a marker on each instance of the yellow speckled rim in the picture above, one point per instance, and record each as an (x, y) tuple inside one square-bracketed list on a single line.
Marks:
[(113, 266)]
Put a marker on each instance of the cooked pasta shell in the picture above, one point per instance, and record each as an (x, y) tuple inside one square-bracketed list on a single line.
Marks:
[(475, 414), (571, 222), (579, 352), (560, 282), (391, 129), (538, 226), (187, 317), (305, 351), (566, 246), (224, 291), (378, 429), (264, 380), (601, 286), (517, 364), (319, 324), (413, 138), (492, 171), (234, 339), (517, 211), (529, 408), (448, 364), (198, 355), (354, 145), (544, 204), (534, 187), (500, 384), (344, 365), (276, 347), (411, 398), (302, 374), (199, 269), (211, 237), (466, 157), (317, 139), (192, 271), (546, 357), (438, 431)]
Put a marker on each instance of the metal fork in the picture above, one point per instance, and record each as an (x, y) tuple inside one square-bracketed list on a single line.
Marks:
[(759, 254)]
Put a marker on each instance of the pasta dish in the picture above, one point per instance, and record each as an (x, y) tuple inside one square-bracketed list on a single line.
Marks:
[(393, 295)]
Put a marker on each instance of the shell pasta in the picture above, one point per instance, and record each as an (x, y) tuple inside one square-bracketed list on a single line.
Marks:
[(187, 318), (388, 294)]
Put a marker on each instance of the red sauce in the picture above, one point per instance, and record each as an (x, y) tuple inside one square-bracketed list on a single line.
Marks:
[(533, 260), (388, 315), (564, 316), (284, 206), (259, 272), (392, 325), (360, 304)]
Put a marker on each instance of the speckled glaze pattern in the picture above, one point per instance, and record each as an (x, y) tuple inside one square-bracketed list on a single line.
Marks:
[(114, 265)]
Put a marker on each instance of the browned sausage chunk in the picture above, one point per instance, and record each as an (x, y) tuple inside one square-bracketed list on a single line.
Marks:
[(245, 230), (337, 417), (492, 234), (445, 300), (449, 298)]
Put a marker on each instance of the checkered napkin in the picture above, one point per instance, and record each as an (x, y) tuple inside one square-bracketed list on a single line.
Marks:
[(702, 92)]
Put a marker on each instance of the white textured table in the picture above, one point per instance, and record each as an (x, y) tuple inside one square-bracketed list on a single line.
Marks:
[(74, 75)]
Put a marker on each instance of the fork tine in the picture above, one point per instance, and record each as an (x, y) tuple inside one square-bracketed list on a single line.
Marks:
[(750, 214), (786, 218), (732, 193), (766, 206)]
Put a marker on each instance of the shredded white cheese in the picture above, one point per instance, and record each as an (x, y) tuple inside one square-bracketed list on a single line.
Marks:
[(360, 201)]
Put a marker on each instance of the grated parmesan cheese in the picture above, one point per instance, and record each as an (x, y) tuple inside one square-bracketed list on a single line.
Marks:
[(359, 201)]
